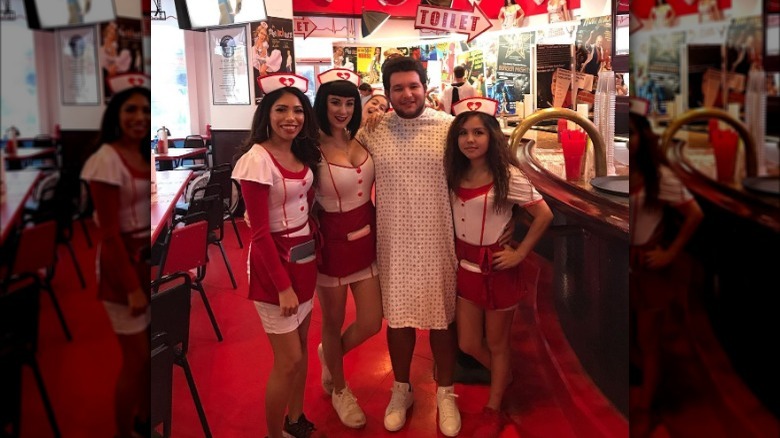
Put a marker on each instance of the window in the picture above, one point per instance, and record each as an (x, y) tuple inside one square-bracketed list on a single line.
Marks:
[(170, 100), (19, 83)]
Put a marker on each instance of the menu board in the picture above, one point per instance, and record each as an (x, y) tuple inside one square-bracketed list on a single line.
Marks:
[(229, 66)]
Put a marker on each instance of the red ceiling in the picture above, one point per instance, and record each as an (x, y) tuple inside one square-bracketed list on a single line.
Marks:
[(406, 8)]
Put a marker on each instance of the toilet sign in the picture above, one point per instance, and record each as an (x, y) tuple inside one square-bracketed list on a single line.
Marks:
[(471, 23), (303, 26)]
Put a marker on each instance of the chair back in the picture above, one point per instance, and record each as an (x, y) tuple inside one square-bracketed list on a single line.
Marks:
[(220, 175), (194, 141), (171, 310), (212, 206), (36, 249), (186, 247), (44, 190)]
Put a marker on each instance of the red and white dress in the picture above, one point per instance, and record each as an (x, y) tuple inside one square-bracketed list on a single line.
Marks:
[(347, 223), (477, 229), (278, 207), (651, 288), (107, 166)]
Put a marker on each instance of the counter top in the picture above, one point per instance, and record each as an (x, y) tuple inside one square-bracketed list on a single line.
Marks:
[(541, 158)]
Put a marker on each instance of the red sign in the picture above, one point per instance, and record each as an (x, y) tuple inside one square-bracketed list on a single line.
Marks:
[(471, 23), (303, 26)]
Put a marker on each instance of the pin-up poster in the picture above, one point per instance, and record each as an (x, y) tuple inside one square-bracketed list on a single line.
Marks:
[(272, 49), (345, 57), (121, 50), (78, 62), (369, 64), (513, 70), (229, 66)]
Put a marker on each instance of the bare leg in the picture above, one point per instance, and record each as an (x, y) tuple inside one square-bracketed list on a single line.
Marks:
[(288, 358), (471, 337), (332, 303), (444, 345), (368, 310), (401, 342), (497, 328), (295, 406), (133, 382)]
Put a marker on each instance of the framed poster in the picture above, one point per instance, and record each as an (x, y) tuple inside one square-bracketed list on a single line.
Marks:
[(120, 50), (272, 49), (229, 66), (78, 66)]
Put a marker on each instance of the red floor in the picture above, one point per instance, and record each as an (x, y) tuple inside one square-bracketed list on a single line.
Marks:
[(230, 375), (550, 396)]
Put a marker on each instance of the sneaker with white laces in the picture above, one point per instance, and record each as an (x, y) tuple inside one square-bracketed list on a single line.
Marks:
[(327, 378), (449, 415), (348, 409), (400, 402)]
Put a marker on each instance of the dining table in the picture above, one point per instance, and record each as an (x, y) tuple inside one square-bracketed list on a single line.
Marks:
[(170, 186), (172, 156), (20, 156), (19, 186)]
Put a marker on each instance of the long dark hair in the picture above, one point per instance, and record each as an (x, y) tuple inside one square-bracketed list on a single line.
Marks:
[(498, 156), (111, 129), (341, 89), (646, 157), (304, 146)]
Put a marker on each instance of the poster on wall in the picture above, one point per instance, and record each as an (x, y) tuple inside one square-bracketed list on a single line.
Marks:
[(594, 46), (513, 70), (345, 57), (472, 61), (79, 66), (549, 59), (703, 73), (229, 66), (369, 64), (121, 50), (744, 49), (272, 49), (662, 80)]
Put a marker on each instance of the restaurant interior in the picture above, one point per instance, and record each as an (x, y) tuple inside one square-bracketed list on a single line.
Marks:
[(565, 118)]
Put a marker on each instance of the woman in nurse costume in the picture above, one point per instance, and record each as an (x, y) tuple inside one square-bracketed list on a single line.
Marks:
[(347, 220), (276, 170), (485, 183)]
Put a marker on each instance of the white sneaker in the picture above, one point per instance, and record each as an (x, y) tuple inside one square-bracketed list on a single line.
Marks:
[(449, 415), (327, 378), (348, 409), (400, 402)]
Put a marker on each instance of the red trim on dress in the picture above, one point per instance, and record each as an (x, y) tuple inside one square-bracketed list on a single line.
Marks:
[(467, 194)]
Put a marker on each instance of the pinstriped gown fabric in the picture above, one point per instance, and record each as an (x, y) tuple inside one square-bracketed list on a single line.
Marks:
[(415, 240)]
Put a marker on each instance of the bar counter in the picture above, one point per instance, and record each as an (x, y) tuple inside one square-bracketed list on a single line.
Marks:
[(737, 247), (589, 237)]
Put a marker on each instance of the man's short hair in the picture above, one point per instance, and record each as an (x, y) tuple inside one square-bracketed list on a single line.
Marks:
[(364, 86), (459, 71), (402, 64)]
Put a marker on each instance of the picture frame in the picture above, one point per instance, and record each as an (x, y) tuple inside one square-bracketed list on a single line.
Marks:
[(228, 58), (79, 66)]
